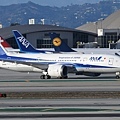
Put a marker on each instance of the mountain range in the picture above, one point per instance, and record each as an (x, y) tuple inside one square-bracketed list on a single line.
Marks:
[(57, 3), (71, 16)]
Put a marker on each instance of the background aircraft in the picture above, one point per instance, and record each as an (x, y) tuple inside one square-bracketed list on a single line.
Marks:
[(6, 45), (24, 45), (58, 44)]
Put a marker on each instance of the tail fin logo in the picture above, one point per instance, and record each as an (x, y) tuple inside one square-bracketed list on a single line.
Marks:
[(57, 42), (23, 41)]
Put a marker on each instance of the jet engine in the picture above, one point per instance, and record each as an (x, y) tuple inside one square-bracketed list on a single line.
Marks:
[(57, 70)]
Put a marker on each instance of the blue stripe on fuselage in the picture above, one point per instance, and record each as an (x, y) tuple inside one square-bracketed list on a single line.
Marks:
[(44, 61), (90, 66)]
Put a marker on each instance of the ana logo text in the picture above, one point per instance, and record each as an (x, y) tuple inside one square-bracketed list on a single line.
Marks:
[(95, 58), (23, 41)]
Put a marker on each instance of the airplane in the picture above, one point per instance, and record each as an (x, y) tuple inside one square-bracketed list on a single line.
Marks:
[(58, 44), (59, 65), (5, 44), (25, 46), (13, 65)]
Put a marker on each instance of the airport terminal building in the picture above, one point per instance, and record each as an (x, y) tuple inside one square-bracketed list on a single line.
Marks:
[(107, 30), (38, 35)]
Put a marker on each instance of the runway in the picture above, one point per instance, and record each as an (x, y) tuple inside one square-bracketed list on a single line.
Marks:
[(80, 97), (59, 108), (104, 103)]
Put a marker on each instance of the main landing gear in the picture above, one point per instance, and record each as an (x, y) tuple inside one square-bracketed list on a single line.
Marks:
[(49, 77), (45, 77), (117, 75)]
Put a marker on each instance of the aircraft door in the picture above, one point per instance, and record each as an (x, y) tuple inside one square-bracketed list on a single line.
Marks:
[(85, 68), (85, 60), (110, 62)]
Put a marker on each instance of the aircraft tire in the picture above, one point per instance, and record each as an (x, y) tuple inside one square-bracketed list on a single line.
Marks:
[(65, 77), (42, 76), (117, 76), (48, 77)]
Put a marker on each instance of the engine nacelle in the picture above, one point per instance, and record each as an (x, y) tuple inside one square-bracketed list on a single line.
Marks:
[(57, 70)]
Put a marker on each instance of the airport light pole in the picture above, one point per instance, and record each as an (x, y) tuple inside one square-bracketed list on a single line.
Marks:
[(96, 23), (101, 20)]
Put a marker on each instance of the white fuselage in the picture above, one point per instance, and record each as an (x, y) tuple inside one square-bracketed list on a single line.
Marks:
[(82, 62)]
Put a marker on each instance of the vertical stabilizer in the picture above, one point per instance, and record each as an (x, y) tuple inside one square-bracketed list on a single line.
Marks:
[(59, 45), (23, 44)]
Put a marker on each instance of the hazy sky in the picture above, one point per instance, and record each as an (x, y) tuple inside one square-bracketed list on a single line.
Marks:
[(58, 3)]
